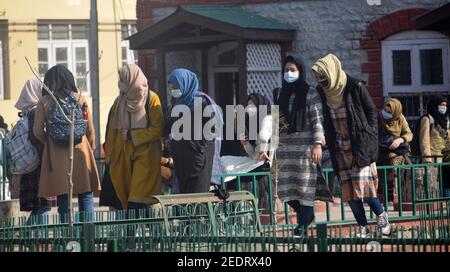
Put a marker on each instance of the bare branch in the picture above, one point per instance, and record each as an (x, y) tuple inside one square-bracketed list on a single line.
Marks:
[(50, 92)]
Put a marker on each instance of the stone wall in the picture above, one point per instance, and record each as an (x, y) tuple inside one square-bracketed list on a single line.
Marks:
[(328, 26)]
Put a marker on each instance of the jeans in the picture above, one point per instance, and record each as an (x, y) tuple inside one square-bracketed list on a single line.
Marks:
[(38, 216), (85, 204), (305, 214), (359, 212)]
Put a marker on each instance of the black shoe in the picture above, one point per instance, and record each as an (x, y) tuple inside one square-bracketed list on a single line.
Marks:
[(300, 232)]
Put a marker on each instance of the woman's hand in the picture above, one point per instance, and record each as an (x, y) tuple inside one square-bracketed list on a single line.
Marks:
[(396, 143), (263, 156), (316, 154), (124, 134), (243, 139)]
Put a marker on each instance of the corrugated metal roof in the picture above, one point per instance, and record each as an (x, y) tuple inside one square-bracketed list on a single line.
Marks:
[(235, 15)]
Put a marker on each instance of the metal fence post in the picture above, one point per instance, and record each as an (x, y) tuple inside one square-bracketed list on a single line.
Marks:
[(322, 237), (88, 237)]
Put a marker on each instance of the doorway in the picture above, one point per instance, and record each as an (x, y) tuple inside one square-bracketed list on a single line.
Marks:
[(226, 86)]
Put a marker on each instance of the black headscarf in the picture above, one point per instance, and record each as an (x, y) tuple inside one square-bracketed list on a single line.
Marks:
[(259, 100), (59, 80), (432, 109), (296, 118)]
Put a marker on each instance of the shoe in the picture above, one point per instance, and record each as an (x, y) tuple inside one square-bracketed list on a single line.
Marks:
[(364, 232), (383, 223), (300, 232)]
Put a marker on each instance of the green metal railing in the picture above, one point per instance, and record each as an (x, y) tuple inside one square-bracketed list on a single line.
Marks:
[(249, 181), (141, 236), (416, 197)]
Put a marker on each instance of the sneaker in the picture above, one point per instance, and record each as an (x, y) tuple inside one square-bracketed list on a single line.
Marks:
[(383, 223), (364, 232)]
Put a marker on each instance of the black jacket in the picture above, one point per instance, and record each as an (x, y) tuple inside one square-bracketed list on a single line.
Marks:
[(362, 124)]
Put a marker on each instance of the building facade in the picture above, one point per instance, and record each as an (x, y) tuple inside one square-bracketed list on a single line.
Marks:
[(377, 41), (50, 32)]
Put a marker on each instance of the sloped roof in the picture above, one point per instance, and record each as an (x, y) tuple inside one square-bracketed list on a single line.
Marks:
[(227, 22)]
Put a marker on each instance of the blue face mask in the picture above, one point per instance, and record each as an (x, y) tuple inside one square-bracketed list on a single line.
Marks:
[(291, 76), (442, 109), (386, 115), (176, 93)]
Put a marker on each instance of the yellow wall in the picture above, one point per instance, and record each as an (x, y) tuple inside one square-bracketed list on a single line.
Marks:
[(21, 17)]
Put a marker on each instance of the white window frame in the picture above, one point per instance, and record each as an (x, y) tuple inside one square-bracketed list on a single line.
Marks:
[(2, 82), (126, 44), (130, 56), (71, 45), (71, 58), (414, 41)]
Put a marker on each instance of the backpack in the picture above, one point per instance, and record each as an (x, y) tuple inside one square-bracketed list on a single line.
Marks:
[(24, 156), (58, 129), (415, 143)]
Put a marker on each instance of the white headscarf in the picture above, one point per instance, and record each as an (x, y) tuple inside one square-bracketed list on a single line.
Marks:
[(30, 95)]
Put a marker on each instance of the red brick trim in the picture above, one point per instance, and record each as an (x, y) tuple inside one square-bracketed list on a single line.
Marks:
[(377, 31)]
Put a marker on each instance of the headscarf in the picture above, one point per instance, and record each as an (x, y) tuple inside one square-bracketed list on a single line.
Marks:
[(432, 109), (259, 100), (392, 126), (330, 68), (296, 117), (189, 86), (133, 87), (59, 80), (217, 163), (30, 95)]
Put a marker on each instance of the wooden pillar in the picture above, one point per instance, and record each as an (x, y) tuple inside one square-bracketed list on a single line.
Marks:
[(205, 70), (162, 84)]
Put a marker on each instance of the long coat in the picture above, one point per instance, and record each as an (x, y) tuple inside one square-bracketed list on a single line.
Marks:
[(135, 164), (362, 124), (54, 181), (299, 178)]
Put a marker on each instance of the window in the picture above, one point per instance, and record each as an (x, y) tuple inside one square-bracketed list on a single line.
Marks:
[(128, 56), (65, 44), (415, 66)]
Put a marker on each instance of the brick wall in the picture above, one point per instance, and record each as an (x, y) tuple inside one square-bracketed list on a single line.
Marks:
[(377, 31)]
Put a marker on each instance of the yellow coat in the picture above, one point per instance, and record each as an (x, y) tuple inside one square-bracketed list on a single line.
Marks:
[(135, 165)]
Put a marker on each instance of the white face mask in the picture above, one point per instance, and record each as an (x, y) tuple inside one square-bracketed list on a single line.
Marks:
[(123, 86), (442, 109), (386, 115), (176, 93), (251, 110), (291, 76)]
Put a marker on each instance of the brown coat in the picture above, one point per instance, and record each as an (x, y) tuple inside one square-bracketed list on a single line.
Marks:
[(55, 182)]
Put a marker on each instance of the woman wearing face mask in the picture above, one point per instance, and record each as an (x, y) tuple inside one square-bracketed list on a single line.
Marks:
[(259, 150), (351, 132), (394, 136), (193, 158), (434, 135), (300, 145), (133, 142)]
